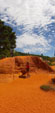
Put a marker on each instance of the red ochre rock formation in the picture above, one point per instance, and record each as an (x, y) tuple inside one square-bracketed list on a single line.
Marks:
[(17, 64)]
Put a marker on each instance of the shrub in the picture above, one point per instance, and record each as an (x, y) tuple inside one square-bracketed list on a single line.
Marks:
[(45, 87)]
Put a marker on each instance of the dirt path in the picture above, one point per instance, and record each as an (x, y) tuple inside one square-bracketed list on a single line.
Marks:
[(25, 95)]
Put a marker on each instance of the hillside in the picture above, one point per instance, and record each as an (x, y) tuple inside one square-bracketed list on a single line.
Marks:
[(18, 63), (49, 60)]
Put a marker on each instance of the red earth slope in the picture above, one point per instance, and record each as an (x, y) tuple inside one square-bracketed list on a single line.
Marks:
[(18, 63)]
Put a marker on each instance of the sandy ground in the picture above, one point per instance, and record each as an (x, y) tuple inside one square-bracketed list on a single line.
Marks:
[(25, 96)]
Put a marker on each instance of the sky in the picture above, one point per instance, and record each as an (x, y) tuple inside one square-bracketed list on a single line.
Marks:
[(34, 24)]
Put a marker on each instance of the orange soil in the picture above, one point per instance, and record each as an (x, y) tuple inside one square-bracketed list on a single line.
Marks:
[(25, 95), (53, 67), (19, 95), (16, 64)]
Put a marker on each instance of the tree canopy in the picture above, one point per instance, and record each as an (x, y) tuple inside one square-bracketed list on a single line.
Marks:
[(7, 40)]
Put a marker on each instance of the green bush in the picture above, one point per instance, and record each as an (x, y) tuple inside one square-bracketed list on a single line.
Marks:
[(45, 87), (7, 40), (49, 63)]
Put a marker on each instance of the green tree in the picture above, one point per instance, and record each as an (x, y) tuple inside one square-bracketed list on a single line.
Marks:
[(7, 40)]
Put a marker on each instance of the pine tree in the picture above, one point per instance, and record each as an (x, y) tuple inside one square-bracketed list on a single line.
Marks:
[(7, 40)]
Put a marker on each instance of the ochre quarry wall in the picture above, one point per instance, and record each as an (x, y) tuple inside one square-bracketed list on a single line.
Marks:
[(18, 64)]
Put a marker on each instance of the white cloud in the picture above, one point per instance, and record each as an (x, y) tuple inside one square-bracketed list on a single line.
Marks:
[(33, 43), (28, 12), (35, 50)]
